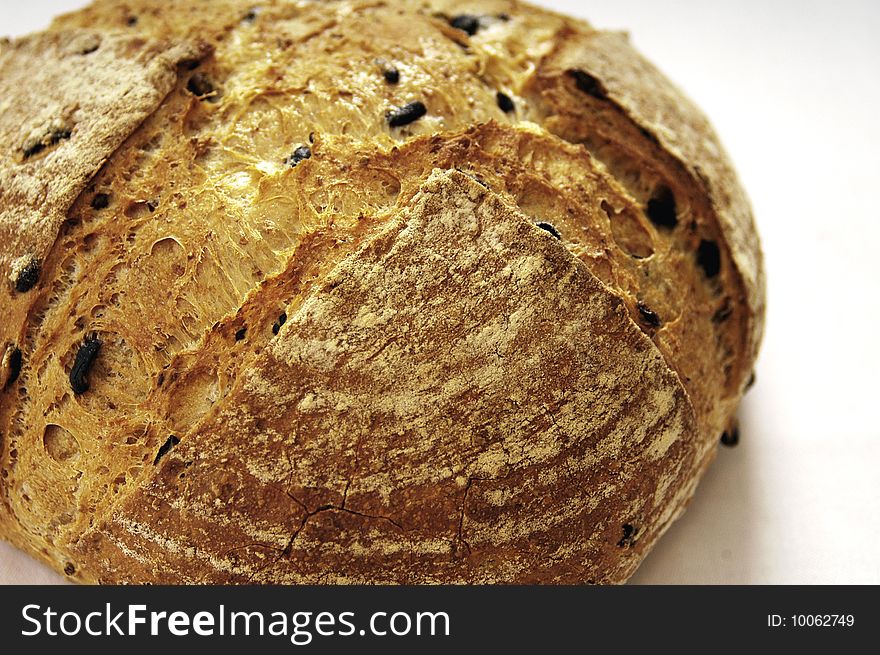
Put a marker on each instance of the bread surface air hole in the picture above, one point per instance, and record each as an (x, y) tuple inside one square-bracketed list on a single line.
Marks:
[(391, 185), (201, 86), (167, 258), (100, 201), (140, 209), (87, 44), (628, 232), (118, 482), (192, 397), (60, 444), (90, 241)]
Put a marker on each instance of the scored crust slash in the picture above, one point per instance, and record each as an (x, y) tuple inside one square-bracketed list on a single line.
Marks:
[(432, 293)]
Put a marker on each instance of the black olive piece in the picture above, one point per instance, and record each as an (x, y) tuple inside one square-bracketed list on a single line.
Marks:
[(503, 17), (709, 258), (391, 75), (629, 533), (28, 276), (101, 201), (251, 15), (466, 23), (200, 86), (588, 84), (14, 367), (131, 21), (85, 357), (731, 438), (505, 104), (548, 227), (165, 448), (301, 153), (661, 209), (34, 149), (407, 114), (69, 569), (50, 139), (649, 316), (282, 319), (240, 334)]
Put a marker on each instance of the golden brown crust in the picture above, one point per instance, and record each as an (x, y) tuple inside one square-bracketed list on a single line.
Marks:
[(365, 362)]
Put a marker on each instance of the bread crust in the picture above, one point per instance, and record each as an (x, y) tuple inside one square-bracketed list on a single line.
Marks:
[(322, 345)]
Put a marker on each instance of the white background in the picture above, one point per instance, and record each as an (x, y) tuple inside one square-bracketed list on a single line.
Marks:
[(793, 88)]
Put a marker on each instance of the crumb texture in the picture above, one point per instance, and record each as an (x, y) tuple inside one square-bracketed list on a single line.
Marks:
[(358, 292)]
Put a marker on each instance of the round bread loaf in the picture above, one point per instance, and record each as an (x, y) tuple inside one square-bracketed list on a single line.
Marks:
[(453, 291)]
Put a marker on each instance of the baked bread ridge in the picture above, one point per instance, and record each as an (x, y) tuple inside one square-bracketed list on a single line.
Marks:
[(183, 371)]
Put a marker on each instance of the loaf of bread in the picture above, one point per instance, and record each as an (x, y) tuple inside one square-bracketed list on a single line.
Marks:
[(453, 291)]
